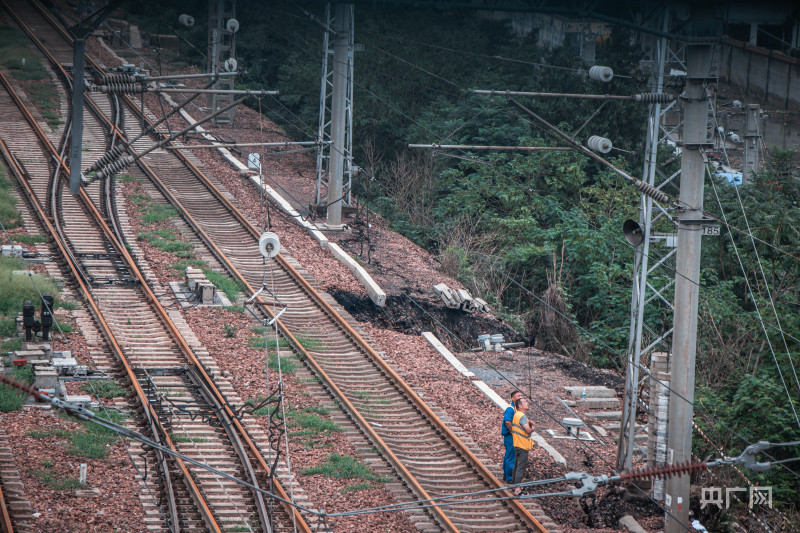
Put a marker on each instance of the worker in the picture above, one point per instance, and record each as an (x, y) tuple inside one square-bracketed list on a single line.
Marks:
[(521, 429), (508, 440)]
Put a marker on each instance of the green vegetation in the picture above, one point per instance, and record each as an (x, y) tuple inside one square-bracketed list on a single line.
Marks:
[(91, 440), (229, 330), (167, 241), (308, 343), (126, 178), (10, 346), (344, 467), (363, 485), (551, 221), (29, 239), (183, 263), (16, 288), (23, 62), (314, 422), (94, 441), (47, 100), (152, 212), (105, 389), (271, 343), (229, 286), (184, 438), (9, 213), (12, 399), (8, 327), (53, 481)]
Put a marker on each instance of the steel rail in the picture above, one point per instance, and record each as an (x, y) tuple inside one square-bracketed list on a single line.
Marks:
[(291, 511), (151, 414), (461, 449), (8, 526)]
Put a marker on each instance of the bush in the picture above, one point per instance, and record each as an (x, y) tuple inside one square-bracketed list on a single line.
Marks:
[(12, 399), (15, 288)]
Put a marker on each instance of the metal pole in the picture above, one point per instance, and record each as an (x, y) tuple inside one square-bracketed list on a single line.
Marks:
[(628, 423), (76, 141), (687, 278), (323, 152), (341, 41)]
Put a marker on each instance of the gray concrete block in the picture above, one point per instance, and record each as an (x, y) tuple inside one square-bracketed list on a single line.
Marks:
[(591, 392), (598, 403), (630, 524)]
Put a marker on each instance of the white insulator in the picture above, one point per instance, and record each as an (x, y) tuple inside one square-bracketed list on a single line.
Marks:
[(230, 65), (598, 73), (268, 244), (232, 25), (186, 20), (599, 144)]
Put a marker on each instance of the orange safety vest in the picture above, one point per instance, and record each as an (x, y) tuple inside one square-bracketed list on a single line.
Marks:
[(522, 439)]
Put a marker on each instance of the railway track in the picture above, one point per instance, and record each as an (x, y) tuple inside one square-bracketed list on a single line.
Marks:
[(181, 403), (425, 454)]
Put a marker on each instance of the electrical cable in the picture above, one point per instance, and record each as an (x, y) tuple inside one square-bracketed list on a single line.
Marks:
[(491, 266)]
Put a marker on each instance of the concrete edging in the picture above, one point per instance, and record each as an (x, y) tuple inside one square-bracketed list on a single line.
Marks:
[(489, 392)]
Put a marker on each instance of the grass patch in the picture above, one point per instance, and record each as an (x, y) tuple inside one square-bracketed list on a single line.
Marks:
[(104, 389), (152, 212), (51, 481), (49, 432), (314, 422), (10, 346), (236, 309), (15, 288), (288, 363), (64, 304), (183, 263), (93, 441), (158, 213), (8, 327), (364, 485), (29, 239), (230, 287), (126, 177), (267, 410), (9, 214), (21, 60), (259, 342), (344, 467), (184, 438), (167, 241), (12, 399)]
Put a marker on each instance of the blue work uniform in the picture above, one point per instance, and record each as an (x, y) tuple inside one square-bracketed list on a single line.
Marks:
[(508, 442)]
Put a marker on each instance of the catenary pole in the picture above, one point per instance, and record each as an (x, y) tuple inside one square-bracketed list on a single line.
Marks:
[(687, 277), (341, 42)]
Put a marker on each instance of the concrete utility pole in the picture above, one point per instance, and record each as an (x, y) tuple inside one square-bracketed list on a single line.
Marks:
[(752, 136), (695, 139), (341, 45)]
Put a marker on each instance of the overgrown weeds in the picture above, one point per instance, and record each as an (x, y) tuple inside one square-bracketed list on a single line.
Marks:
[(344, 467), (12, 399)]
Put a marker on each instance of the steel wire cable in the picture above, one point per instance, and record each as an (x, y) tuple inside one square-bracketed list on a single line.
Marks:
[(763, 276), (406, 116), (524, 289)]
